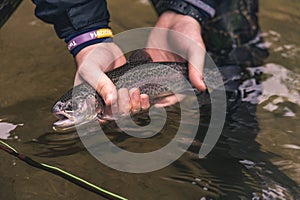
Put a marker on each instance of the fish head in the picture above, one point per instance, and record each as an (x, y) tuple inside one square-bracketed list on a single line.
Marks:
[(78, 106)]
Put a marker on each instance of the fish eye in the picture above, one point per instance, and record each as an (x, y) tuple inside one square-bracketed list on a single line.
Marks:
[(71, 105)]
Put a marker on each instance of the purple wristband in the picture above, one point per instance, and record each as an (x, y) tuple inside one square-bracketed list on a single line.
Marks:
[(86, 37)]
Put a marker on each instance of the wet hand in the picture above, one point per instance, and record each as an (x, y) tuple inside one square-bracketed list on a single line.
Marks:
[(178, 38), (93, 61), (130, 102)]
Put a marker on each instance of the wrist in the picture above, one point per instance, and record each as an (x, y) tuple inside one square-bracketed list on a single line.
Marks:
[(168, 18), (184, 24), (79, 41), (194, 9), (105, 55)]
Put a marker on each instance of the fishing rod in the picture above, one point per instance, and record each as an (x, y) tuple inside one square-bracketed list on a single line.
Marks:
[(59, 172), (7, 8)]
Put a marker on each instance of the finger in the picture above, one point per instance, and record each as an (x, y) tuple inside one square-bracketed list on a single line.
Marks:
[(107, 90), (135, 100), (145, 104), (196, 78), (124, 101), (169, 100), (91, 73), (196, 64), (102, 121), (93, 61), (77, 80)]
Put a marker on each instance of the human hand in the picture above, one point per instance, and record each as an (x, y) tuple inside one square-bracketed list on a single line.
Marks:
[(92, 62), (178, 34)]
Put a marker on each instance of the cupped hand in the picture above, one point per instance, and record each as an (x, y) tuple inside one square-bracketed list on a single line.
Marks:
[(93, 62), (178, 38)]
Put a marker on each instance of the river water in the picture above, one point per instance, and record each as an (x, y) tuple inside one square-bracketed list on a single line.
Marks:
[(257, 156)]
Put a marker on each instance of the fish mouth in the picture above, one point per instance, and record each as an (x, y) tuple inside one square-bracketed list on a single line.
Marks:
[(66, 122)]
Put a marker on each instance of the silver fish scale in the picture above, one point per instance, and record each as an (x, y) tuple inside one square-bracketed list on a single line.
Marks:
[(155, 79), (152, 78)]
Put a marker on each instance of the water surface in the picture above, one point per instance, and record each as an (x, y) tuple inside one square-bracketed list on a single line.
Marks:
[(257, 156)]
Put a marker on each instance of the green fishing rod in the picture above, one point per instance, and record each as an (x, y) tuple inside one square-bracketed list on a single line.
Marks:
[(59, 172)]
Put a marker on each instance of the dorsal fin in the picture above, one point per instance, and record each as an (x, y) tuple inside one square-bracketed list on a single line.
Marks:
[(139, 56)]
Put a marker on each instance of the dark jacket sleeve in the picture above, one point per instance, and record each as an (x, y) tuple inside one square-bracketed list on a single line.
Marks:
[(72, 16), (206, 7)]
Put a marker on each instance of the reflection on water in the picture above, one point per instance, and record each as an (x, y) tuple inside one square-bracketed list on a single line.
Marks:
[(55, 145), (273, 38), (257, 156), (6, 128), (282, 87)]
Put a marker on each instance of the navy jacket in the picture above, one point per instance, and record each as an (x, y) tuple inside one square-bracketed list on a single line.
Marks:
[(231, 35), (72, 16)]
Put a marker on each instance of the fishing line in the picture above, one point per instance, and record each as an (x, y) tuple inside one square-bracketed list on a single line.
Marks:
[(59, 172)]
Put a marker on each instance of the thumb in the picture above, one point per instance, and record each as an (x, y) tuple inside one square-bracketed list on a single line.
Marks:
[(196, 64), (196, 78), (107, 90), (91, 72)]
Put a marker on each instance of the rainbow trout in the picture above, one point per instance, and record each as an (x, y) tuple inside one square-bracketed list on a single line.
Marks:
[(82, 104)]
